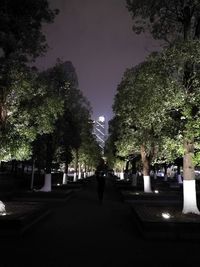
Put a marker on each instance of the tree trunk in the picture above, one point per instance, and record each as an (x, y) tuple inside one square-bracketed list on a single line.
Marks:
[(165, 172), (79, 171), (76, 165), (127, 170), (33, 173), (179, 178), (47, 179), (85, 170), (146, 170), (189, 182), (134, 180), (134, 174), (65, 173)]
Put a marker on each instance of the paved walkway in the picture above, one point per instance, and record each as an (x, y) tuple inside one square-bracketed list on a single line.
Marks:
[(81, 232)]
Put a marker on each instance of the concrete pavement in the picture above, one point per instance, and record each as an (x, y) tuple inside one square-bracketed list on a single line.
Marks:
[(81, 232)]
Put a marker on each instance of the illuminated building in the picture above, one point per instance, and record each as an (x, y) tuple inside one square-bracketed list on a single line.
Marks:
[(100, 131)]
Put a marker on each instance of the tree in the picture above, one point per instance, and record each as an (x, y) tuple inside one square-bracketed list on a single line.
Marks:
[(143, 114), (66, 136), (30, 110), (21, 40), (76, 116), (175, 21), (185, 60), (58, 87), (89, 151), (168, 20), (20, 27), (117, 146)]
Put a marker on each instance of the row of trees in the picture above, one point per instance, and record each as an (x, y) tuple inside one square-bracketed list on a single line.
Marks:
[(157, 102), (43, 115)]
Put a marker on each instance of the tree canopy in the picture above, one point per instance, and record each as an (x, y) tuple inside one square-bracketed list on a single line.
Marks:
[(170, 20), (20, 27)]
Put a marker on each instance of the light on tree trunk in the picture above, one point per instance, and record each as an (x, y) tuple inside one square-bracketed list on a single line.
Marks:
[(189, 197)]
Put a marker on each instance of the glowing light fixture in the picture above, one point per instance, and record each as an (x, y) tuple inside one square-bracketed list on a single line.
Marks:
[(101, 118), (58, 184), (166, 215), (156, 191), (2, 209)]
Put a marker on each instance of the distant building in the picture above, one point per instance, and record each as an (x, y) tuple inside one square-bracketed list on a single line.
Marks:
[(100, 131)]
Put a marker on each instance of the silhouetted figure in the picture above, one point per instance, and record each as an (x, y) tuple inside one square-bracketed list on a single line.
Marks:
[(101, 173)]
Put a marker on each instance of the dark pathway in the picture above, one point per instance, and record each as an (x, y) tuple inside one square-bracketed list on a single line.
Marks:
[(81, 232)]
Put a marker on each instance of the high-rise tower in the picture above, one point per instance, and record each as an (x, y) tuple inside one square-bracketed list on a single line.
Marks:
[(100, 131)]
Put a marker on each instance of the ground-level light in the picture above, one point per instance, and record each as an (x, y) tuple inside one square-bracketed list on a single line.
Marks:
[(166, 215)]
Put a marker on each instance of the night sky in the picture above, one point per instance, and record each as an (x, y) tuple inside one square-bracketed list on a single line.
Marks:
[(96, 36)]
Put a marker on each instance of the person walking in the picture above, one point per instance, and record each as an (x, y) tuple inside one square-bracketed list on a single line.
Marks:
[(101, 173)]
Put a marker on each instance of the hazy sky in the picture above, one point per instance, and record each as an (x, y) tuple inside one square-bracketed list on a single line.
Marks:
[(96, 36)]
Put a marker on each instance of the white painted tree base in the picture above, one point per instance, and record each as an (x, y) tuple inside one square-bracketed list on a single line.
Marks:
[(117, 174), (147, 184), (85, 175), (47, 183), (189, 197), (79, 175), (2, 208), (75, 177), (121, 175), (64, 178)]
